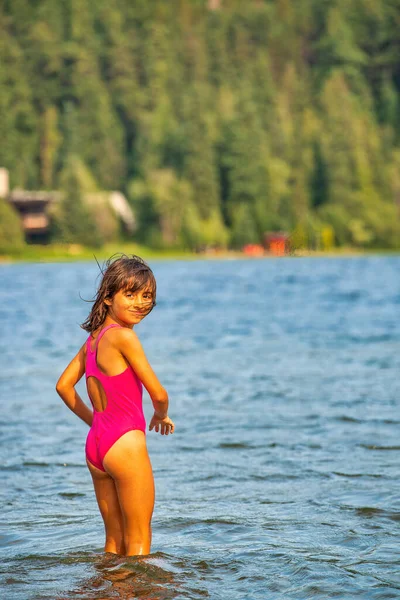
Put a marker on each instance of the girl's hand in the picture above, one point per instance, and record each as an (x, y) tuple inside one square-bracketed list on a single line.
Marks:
[(164, 426)]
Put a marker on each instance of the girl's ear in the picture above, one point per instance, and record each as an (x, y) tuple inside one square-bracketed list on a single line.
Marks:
[(107, 300)]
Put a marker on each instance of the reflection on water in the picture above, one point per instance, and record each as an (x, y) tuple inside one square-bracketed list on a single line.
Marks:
[(128, 577), (282, 479)]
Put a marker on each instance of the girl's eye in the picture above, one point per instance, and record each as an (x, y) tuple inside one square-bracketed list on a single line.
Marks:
[(146, 295)]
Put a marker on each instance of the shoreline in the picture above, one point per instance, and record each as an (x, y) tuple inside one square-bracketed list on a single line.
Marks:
[(75, 253)]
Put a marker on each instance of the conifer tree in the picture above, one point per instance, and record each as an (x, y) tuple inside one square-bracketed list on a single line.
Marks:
[(257, 115), (18, 121), (11, 233), (73, 222), (200, 167)]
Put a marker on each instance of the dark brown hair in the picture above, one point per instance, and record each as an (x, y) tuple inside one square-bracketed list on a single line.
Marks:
[(120, 272)]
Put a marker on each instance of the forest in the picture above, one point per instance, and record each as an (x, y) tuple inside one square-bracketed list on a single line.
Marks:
[(220, 120)]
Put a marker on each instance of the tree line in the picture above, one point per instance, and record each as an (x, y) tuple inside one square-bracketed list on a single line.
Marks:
[(219, 120)]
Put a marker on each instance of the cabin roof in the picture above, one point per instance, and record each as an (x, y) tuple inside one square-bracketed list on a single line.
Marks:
[(29, 197)]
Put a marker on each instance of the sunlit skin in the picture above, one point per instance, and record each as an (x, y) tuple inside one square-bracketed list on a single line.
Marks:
[(127, 308), (125, 491)]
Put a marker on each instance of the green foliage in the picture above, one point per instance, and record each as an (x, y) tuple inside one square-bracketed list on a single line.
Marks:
[(244, 230), (200, 164), (160, 202), (18, 118), (11, 231), (166, 207), (220, 120), (72, 220)]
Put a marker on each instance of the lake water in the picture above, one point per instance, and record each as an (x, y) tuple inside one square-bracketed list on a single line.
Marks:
[(282, 478)]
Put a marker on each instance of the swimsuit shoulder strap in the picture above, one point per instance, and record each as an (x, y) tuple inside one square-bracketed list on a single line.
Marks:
[(100, 335), (102, 332)]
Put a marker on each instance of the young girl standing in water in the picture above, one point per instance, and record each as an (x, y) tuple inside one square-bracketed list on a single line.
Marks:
[(116, 367)]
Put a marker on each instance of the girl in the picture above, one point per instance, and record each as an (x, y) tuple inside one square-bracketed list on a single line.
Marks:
[(116, 367)]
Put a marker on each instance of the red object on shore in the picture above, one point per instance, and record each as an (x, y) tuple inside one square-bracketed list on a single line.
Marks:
[(253, 250), (277, 243)]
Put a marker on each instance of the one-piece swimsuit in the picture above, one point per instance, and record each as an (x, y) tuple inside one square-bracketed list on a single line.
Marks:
[(124, 410)]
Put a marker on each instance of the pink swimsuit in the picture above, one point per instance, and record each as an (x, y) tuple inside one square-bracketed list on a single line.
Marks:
[(124, 411)]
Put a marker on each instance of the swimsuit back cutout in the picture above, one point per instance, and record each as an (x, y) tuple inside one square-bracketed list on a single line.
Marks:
[(123, 410), (91, 355)]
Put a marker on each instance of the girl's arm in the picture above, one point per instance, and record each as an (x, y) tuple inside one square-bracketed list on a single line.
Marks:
[(128, 343), (66, 387)]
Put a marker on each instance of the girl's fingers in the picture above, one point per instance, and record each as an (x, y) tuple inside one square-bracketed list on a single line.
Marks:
[(161, 427)]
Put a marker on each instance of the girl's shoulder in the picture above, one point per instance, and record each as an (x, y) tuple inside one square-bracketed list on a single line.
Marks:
[(124, 337), (124, 334)]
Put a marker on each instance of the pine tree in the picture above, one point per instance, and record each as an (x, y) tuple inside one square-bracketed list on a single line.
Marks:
[(200, 168), (18, 120), (11, 231), (73, 222), (259, 115)]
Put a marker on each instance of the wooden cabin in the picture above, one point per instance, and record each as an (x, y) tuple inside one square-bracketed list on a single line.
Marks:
[(33, 207), (33, 210)]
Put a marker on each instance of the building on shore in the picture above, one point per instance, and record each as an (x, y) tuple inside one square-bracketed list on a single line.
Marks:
[(34, 206), (277, 242)]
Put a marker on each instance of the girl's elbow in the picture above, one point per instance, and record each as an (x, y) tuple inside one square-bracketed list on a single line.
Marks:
[(61, 387)]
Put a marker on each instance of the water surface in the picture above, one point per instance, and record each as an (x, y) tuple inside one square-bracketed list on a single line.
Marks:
[(282, 479)]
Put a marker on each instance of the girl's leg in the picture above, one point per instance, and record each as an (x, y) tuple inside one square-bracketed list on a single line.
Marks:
[(107, 499), (129, 465)]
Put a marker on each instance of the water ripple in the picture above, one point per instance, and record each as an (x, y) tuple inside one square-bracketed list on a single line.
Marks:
[(282, 480)]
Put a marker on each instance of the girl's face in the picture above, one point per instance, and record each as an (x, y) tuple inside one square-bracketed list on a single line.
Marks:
[(129, 308)]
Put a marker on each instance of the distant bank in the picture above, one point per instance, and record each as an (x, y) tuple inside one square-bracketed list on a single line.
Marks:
[(75, 252)]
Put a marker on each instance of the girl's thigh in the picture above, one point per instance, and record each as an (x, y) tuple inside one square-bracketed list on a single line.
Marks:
[(128, 463), (107, 499)]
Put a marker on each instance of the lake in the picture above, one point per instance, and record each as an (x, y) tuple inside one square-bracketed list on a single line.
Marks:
[(281, 480)]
